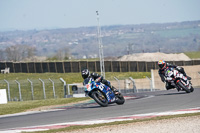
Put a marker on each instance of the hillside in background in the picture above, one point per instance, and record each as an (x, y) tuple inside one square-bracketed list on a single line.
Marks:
[(154, 57), (118, 40)]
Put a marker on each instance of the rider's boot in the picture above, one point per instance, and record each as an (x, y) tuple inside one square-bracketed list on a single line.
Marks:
[(169, 86), (114, 90), (188, 77)]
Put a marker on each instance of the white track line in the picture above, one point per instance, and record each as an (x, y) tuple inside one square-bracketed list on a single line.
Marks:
[(98, 121)]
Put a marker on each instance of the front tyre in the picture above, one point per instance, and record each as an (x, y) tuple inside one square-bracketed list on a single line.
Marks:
[(183, 87), (120, 99), (191, 89), (99, 97)]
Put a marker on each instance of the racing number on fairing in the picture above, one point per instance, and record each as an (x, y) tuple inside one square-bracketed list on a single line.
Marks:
[(101, 87)]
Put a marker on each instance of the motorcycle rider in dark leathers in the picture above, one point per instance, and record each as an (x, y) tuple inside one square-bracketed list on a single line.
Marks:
[(98, 78), (163, 66)]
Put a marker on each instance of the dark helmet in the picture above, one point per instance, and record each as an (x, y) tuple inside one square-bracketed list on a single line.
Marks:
[(85, 73), (161, 64)]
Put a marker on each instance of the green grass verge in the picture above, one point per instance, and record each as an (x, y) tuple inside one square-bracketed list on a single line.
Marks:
[(16, 107), (71, 128), (193, 55), (71, 77)]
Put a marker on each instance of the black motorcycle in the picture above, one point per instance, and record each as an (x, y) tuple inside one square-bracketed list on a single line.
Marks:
[(178, 80)]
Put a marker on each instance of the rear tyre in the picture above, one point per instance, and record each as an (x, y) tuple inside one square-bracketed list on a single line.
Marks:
[(99, 97), (120, 99), (183, 87)]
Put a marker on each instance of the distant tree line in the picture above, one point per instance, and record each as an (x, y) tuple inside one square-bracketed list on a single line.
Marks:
[(61, 54), (17, 53), (27, 53)]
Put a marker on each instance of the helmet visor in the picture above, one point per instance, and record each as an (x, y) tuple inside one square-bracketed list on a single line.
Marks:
[(161, 65), (85, 76)]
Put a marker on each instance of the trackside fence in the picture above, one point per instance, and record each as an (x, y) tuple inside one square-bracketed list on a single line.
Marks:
[(38, 89), (77, 66), (33, 89)]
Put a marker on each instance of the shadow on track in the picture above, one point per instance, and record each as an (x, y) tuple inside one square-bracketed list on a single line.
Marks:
[(98, 106)]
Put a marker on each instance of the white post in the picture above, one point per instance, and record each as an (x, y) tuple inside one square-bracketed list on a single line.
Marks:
[(3, 96), (32, 91), (150, 83), (101, 56), (118, 83), (64, 86), (68, 90), (43, 86), (152, 79), (134, 86), (8, 89), (54, 93), (20, 94)]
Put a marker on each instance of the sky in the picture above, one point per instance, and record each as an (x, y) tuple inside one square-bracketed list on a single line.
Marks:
[(51, 14)]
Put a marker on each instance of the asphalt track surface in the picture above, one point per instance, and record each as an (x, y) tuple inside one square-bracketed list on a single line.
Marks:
[(140, 103)]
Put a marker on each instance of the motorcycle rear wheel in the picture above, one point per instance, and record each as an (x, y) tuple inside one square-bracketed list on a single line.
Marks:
[(183, 87), (99, 97)]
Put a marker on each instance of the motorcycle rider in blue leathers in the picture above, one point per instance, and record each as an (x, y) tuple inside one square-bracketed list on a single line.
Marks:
[(98, 78)]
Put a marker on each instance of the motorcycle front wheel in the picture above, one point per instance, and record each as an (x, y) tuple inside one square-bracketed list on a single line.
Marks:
[(183, 87), (120, 99), (191, 89), (99, 97)]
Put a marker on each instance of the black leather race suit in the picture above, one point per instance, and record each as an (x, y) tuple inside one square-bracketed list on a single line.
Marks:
[(161, 73)]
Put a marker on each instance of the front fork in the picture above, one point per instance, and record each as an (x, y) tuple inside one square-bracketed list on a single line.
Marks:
[(178, 88)]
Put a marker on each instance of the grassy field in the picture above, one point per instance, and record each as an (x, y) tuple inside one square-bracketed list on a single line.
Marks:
[(70, 77), (183, 32), (193, 55)]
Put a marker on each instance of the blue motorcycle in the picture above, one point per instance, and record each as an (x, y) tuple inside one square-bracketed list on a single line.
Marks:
[(101, 93)]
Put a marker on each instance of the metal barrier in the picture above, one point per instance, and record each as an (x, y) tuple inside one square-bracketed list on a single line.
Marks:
[(20, 94), (32, 89), (64, 87), (37, 89), (118, 83), (151, 86), (8, 89), (54, 93), (134, 86), (43, 86)]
